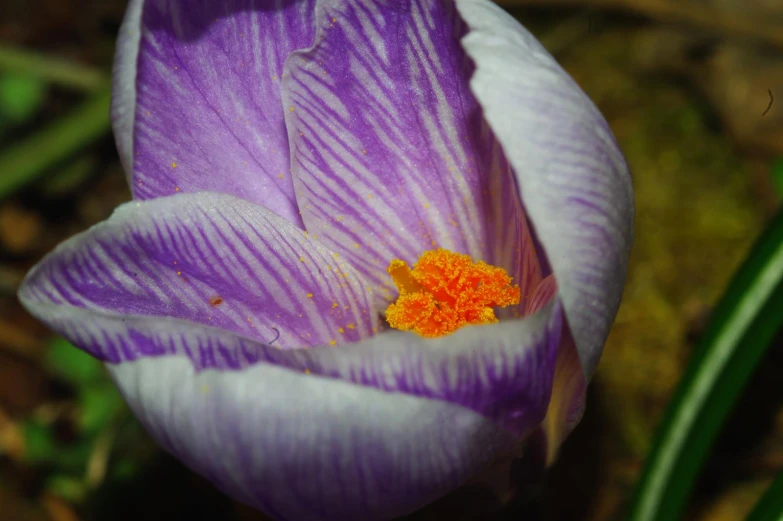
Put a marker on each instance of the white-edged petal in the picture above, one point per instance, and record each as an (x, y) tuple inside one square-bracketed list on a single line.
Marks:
[(572, 177)]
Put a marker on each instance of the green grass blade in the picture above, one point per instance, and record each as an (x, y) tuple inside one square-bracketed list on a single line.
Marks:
[(26, 161), (770, 506), (51, 70), (740, 330)]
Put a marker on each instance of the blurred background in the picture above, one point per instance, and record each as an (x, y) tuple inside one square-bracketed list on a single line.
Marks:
[(693, 90)]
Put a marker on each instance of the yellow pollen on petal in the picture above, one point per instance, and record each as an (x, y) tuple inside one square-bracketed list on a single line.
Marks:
[(446, 291)]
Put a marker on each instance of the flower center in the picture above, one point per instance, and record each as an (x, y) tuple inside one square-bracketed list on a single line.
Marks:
[(445, 291)]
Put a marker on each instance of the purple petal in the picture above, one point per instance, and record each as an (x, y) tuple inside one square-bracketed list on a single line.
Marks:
[(504, 370), (567, 400), (115, 292), (390, 153), (206, 259), (305, 448), (111, 291), (572, 176), (197, 103)]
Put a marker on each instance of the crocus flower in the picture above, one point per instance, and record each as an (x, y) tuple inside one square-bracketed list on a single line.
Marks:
[(303, 170)]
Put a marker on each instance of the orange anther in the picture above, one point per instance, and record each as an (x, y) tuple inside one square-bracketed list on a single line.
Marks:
[(445, 291)]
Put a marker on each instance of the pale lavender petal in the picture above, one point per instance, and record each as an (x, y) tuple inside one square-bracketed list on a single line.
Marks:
[(208, 259), (123, 87), (503, 371), (390, 152), (306, 448), (573, 179), (197, 103)]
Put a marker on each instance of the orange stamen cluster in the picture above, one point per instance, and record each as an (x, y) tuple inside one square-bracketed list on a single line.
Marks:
[(445, 291)]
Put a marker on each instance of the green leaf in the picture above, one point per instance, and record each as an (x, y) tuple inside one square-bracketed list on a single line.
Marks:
[(70, 488), (20, 97), (770, 506), (99, 404), (72, 364), (41, 447), (38, 442), (740, 330), (125, 469), (26, 161), (777, 175), (70, 177), (52, 70)]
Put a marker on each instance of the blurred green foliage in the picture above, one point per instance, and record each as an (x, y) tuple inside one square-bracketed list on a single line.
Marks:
[(72, 364), (30, 158), (25, 80), (741, 330), (777, 175), (96, 420), (770, 506), (21, 97)]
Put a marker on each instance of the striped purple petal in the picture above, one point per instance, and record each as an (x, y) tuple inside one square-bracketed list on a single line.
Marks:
[(390, 152), (241, 411), (132, 286), (217, 312), (197, 103), (203, 258), (573, 179), (135, 285), (504, 372), (306, 448)]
